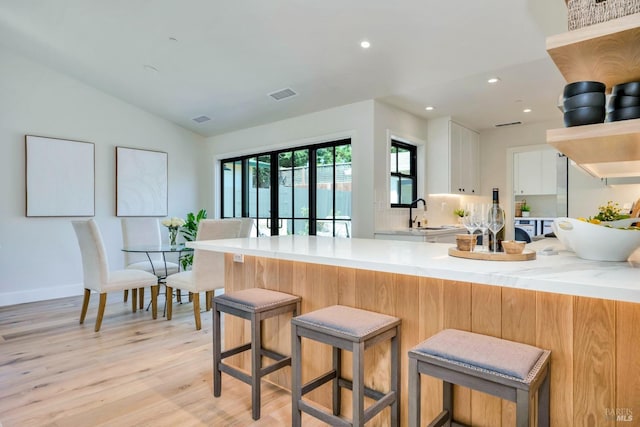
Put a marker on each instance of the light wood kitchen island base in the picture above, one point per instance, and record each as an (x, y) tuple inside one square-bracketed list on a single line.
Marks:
[(594, 343)]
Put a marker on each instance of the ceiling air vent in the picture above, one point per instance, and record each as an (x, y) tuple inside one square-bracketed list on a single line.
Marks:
[(281, 94), (499, 125), (201, 119)]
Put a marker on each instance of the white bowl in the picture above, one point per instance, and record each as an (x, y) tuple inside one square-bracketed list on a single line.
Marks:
[(596, 242), (620, 223)]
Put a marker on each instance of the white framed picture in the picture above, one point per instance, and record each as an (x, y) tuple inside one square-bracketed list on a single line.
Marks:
[(60, 177), (141, 182)]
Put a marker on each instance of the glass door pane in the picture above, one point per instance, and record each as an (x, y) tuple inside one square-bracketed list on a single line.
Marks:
[(325, 169), (259, 192), (342, 225), (293, 191)]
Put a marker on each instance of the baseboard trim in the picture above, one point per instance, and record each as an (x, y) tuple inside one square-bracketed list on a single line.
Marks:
[(40, 294)]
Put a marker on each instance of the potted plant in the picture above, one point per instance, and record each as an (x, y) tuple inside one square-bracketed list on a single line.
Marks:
[(459, 213), (189, 231), (525, 208)]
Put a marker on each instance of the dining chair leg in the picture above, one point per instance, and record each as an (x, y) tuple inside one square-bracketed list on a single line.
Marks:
[(103, 303), (190, 296), (154, 301), (141, 295), (85, 305), (178, 296), (169, 304), (134, 299), (196, 310), (126, 295), (209, 297)]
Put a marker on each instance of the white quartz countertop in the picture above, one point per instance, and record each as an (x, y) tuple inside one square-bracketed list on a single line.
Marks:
[(564, 273)]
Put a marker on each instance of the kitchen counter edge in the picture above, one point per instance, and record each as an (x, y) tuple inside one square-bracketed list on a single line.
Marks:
[(564, 273)]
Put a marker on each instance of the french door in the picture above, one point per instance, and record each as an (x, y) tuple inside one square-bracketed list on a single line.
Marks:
[(303, 191)]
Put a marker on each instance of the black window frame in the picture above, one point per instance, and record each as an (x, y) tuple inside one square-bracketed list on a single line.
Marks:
[(412, 175), (274, 156)]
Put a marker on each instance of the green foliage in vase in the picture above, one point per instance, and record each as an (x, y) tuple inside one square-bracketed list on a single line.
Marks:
[(189, 231)]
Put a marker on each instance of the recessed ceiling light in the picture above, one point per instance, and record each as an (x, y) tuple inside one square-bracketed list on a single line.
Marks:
[(430, 108), (493, 80), (526, 110), (365, 44)]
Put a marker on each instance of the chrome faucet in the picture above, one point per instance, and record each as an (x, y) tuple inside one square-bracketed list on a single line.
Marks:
[(415, 202)]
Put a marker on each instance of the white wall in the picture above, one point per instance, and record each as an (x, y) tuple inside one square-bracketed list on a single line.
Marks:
[(391, 123), (369, 124), (353, 121), (585, 192), (39, 257)]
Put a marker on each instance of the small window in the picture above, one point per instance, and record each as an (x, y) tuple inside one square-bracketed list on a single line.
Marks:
[(403, 184)]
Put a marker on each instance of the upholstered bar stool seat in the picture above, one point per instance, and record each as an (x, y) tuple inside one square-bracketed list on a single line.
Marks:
[(355, 330), (502, 368), (254, 305)]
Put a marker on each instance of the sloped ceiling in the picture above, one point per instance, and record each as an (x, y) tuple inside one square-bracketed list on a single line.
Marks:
[(185, 59)]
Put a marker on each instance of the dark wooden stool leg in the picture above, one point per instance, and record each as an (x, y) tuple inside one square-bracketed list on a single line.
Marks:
[(217, 350), (395, 378), (415, 398), (522, 408), (358, 384), (543, 402), (296, 376), (337, 367), (256, 346)]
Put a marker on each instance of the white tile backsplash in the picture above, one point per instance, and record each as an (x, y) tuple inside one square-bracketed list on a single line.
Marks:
[(439, 211)]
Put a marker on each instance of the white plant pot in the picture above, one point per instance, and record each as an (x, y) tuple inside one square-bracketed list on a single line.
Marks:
[(525, 214)]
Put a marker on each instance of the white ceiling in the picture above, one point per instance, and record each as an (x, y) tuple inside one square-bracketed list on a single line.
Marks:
[(229, 54)]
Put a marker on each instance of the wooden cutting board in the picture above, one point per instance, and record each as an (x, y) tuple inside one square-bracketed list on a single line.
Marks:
[(526, 255)]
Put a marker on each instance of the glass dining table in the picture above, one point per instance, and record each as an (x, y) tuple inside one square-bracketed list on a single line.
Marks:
[(164, 249)]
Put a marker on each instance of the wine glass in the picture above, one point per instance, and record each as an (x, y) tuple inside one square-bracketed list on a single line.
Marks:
[(481, 220), (468, 220), (496, 222)]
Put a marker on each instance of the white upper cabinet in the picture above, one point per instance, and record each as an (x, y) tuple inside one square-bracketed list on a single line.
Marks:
[(453, 161), (535, 172)]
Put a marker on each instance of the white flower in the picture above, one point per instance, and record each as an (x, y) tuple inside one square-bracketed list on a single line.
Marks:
[(173, 222)]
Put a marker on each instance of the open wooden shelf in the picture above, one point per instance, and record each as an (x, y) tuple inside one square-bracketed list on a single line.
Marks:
[(608, 52), (599, 143), (605, 150)]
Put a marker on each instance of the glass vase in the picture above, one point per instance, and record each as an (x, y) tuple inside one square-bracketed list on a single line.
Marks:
[(173, 234)]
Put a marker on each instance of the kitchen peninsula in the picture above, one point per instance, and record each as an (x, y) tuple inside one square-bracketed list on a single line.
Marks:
[(587, 313)]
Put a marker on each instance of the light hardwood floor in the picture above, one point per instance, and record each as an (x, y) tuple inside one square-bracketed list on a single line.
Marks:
[(135, 372)]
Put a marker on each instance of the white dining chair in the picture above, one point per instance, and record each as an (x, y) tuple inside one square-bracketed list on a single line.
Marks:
[(247, 227), (207, 271), (145, 232), (98, 278)]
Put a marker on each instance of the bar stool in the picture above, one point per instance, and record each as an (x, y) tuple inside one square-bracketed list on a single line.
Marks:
[(254, 305), (502, 368), (354, 330)]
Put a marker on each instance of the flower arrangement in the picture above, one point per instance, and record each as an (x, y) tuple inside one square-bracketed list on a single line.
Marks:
[(458, 212), (606, 213), (173, 224), (610, 212)]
